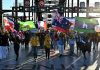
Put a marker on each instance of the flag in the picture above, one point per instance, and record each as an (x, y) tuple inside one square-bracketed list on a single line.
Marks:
[(82, 22), (60, 22), (63, 25), (11, 23), (42, 24), (8, 24), (85, 24), (28, 25)]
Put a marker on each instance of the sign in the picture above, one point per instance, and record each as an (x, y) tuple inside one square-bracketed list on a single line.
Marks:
[(85, 23), (27, 3)]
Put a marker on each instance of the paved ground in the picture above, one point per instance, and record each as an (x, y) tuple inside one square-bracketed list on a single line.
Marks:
[(55, 62)]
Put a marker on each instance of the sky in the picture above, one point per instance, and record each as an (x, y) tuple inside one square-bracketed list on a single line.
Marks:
[(7, 4)]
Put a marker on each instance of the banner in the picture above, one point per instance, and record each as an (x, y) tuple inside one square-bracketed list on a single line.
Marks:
[(85, 24), (28, 25)]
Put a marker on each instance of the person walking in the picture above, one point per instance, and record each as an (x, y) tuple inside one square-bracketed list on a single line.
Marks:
[(3, 44), (34, 43), (47, 45), (71, 42), (61, 44), (16, 42)]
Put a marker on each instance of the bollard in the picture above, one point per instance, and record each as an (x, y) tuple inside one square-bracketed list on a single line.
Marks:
[(62, 67), (52, 67)]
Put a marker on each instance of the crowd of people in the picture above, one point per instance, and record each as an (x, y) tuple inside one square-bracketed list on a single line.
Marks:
[(47, 40)]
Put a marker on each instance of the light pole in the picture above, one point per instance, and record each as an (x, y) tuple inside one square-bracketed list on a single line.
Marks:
[(2, 21), (32, 10), (68, 8), (87, 10), (16, 2), (78, 8), (72, 10), (1, 12)]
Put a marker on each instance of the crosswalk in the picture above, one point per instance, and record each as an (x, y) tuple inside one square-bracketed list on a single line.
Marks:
[(76, 60), (93, 66)]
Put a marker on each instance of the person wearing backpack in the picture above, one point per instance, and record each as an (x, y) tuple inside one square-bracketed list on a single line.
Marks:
[(47, 45), (60, 43), (34, 43)]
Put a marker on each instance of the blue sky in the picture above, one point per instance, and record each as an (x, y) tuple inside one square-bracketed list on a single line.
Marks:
[(7, 4)]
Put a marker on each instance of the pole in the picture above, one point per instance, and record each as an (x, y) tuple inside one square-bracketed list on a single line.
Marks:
[(29, 11), (68, 8), (2, 21), (12, 12), (87, 10), (72, 10), (16, 2), (32, 10), (1, 12), (65, 7), (24, 11), (78, 8)]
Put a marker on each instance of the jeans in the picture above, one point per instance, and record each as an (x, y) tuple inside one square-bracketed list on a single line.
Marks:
[(35, 51), (47, 51), (61, 48)]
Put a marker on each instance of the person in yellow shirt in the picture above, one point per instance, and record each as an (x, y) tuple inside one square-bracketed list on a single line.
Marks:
[(34, 43), (47, 45)]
